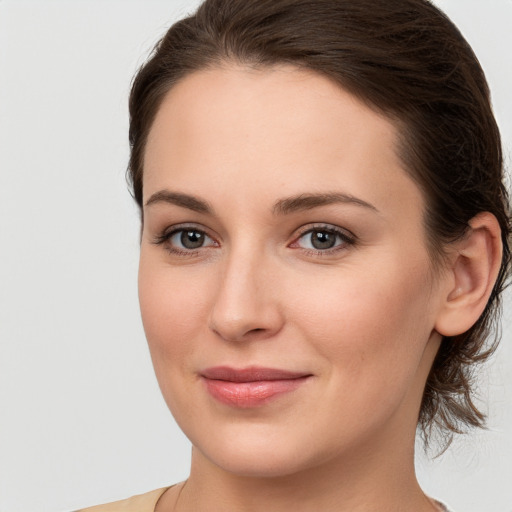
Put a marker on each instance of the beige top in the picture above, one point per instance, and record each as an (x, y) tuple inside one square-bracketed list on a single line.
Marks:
[(147, 503), (140, 503)]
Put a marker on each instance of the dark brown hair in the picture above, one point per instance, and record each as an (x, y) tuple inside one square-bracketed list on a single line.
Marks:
[(403, 58)]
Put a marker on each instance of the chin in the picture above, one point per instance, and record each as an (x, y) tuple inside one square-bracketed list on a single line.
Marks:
[(249, 463), (267, 455)]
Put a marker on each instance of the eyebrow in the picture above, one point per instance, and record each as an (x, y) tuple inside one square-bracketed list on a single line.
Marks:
[(309, 201), (283, 206), (184, 200)]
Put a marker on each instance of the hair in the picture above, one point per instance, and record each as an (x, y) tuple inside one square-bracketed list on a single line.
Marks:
[(406, 60)]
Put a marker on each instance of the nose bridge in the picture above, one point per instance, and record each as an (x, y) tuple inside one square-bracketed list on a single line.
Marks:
[(245, 304)]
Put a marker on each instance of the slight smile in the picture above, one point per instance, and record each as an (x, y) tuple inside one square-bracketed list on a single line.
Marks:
[(250, 387)]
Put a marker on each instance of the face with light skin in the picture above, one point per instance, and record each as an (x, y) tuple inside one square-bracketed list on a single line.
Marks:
[(281, 230)]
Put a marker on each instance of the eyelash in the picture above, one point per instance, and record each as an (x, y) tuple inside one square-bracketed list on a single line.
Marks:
[(347, 239), (166, 236)]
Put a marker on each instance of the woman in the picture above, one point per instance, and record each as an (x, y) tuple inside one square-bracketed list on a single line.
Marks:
[(325, 237)]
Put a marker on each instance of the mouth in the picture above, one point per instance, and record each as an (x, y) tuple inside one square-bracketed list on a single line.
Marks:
[(250, 387)]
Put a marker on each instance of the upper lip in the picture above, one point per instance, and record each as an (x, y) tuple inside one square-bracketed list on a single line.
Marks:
[(250, 374)]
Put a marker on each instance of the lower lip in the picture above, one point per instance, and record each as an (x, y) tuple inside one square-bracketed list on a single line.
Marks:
[(250, 394)]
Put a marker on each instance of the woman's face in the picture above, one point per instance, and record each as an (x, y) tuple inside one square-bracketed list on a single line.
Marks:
[(285, 286)]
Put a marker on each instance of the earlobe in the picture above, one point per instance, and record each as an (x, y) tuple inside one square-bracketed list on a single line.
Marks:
[(471, 276)]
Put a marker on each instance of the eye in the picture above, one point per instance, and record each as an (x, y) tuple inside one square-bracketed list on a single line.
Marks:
[(190, 239), (185, 240), (323, 239)]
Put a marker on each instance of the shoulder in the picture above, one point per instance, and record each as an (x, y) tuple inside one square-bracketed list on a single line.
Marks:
[(442, 507), (141, 503)]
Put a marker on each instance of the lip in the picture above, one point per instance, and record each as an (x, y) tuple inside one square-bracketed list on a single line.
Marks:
[(250, 387)]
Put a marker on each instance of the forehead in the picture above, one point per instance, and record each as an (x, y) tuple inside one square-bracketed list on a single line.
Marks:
[(262, 129)]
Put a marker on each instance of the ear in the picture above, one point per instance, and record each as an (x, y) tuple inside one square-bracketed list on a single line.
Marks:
[(471, 276)]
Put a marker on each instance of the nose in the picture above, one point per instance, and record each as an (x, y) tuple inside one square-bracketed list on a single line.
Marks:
[(246, 305)]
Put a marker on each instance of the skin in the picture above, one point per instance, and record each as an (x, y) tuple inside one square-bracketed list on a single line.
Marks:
[(360, 318)]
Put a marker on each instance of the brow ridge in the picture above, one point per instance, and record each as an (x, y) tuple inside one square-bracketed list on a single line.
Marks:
[(179, 199), (283, 206), (310, 201)]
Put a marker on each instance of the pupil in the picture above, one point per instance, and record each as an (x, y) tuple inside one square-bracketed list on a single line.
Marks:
[(323, 239), (192, 239)]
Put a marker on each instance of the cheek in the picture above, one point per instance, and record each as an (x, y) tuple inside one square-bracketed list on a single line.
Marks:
[(174, 309), (370, 325)]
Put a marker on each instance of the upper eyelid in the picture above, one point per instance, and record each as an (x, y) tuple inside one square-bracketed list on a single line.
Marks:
[(165, 234), (176, 228), (325, 226)]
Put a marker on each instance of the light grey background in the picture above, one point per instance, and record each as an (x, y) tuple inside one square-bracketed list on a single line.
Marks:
[(81, 417)]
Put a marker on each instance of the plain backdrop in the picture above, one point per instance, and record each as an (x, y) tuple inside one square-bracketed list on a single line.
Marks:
[(81, 417)]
